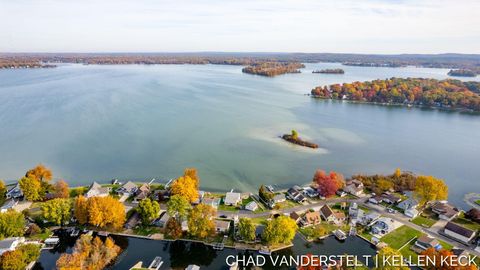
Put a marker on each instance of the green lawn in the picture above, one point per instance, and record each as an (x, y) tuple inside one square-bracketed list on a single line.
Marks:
[(146, 230), (477, 202), (445, 245), (461, 220), (74, 192), (400, 236), (260, 220), (424, 221), (223, 207), (408, 253)]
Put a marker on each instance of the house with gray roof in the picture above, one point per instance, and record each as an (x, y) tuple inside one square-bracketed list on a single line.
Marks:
[(96, 190)]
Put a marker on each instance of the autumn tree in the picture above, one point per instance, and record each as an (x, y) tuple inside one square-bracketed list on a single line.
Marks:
[(61, 189), (193, 174), (20, 257), (173, 228), (3, 191), (327, 185), (102, 212), (148, 210), (31, 188), (57, 211), (246, 229), (444, 255), (12, 223), (310, 262), (178, 207), (280, 230), (186, 187), (80, 209), (265, 194), (429, 188), (40, 173), (200, 221), (294, 134)]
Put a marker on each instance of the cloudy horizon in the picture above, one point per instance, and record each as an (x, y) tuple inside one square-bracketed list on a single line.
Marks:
[(345, 26)]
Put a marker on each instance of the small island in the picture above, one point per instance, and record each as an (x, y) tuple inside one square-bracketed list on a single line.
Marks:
[(461, 73), (271, 69), (330, 71), (293, 138)]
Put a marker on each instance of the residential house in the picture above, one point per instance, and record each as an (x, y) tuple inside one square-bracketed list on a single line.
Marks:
[(295, 216), (251, 206), (162, 221), (354, 187), (375, 199), (96, 190), (213, 202), (369, 218), (411, 213), (132, 221), (383, 226), (8, 205), (310, 192), (295, 194), (341, 193), (425, 242), (327, 213), (128, 189), (222, 226), (10, 244), (232, 198), (279, 198), (185, 226), (459, 233), (409, 203), (311, 218), (390, 198), (161, 194), (142, 193), (15, 192), (445, 211), (339, 217), (201, 194), (354, 212)]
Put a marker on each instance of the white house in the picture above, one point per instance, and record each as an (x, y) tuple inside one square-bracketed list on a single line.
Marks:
[(411, 213), (251, 206), (232, 198), (409, 203), (15, 192), (354, 187), (96, 190), (425, 242), (8, 205), (128, 189), (445, 211), (222, 226), (10, 244), (459, 233), (213, 202), (278, 198), (327, 213)]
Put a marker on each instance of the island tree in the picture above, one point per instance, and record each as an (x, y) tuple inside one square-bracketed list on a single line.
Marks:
[(200, 221), (186, 187), (57, 211), (12, 223), (327, 185), (173, 228), (246, 229), (280, 230), (148, 210), (429, 188), (178, 207)]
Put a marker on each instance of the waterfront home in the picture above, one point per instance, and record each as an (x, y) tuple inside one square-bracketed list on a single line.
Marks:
[(408, 204), (311, 218), (142, 193), (411, 213), (10, 244), (339, 217), (295, 194), (8, 205), (133, 221), (375, 199), (369, 218), (341, 193), (459, 233), (232, 198), (162, 221), (354, 187), (201, 194), (390, 198), (296, 217), (383, 226), (222, 226), (14, 193), (251, 206), (310, 192), (161, 194), (445, 211), (213, 202), (128, 189), (279, 198), (327, 213), (425, 242), (96, 190)]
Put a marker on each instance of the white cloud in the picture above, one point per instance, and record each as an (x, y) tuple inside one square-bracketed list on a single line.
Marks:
[(372, 26)]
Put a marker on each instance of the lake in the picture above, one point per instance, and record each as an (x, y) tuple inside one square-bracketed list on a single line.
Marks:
[(151, 121), (179, 254)]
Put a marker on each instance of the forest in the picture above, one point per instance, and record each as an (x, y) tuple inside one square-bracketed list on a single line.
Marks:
[(330, 71), (462, 73), (449, 93)]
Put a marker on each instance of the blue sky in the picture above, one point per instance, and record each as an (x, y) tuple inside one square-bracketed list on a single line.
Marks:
[(357, 26)]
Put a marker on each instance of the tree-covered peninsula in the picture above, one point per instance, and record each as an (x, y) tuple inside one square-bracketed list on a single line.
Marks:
[(461, 73), (451, 94), (271, 69)]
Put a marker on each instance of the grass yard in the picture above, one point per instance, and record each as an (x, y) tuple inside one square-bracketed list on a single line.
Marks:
[(260, 220), (461, 220), (230, 208), (445, 245), (313, 232), (424, 221), (146, 230), (285, 204), (477, 202), (409, 254), (400, 236)]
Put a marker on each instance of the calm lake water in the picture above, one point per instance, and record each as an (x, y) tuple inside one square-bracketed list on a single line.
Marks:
[(178, 255), (138, 122)]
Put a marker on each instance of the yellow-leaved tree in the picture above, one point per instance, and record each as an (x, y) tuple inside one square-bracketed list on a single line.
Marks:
[(103, 212), (186, 187), (429, 188), (200, 221)]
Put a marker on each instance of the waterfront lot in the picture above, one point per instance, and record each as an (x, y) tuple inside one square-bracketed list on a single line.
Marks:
[(400, 236)]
